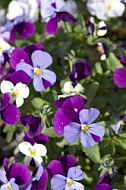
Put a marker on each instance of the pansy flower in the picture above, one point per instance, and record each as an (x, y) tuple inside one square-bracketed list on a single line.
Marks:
[(11, 178), (65, 173), (68, 112), (104, 9), (30, 151), (89, 133), (17, 25), (17, 92), (9, 113), (56, 11), (42, 77), (104, 182)]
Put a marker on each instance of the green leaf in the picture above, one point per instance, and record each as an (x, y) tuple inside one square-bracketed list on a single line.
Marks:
[(113, 62), (93, 153), (90, 91), (9, 130), (50, 132), (37, 103)]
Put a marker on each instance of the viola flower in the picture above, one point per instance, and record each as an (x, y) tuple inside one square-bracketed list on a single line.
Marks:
[(17, 92), (17, 25), (70, 108), (9, 113), (42, 77), (56, 11), (103, 50), (105, 8), (104, 182), (11, 178), (4, 47), (65, 173), (96, 29), (89, 133), (32, 151), (80, 70)]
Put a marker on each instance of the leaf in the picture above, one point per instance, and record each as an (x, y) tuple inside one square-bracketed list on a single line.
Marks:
[(93, 153), (113, 62), (37, 103), (9, 130), (90, 91), (50, 132)]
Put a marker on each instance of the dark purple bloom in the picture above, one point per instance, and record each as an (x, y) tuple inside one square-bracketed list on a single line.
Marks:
[(69, 112), (39, 139), (17, 25), (89, 133), (80, 70), (10, 114), (65, 173), (42, 77), (11, 177), (34, 124), (103, 186)]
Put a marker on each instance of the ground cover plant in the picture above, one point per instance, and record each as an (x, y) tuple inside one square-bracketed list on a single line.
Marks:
[(62, 95)]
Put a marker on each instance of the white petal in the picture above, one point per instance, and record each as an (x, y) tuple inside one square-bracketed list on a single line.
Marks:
[(19, 101), (25, 148), (78, 88), (38, 159), (23, 89), (68, 87), (40, 149), (6, 86)]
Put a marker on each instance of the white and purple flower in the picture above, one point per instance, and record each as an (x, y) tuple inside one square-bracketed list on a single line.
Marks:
[(89, 133)]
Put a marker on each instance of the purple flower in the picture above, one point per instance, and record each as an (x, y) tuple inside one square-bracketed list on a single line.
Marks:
[(69, 111), (12, 178), (104, 182), (17, 25), (42, 77), (120, 77), (10, 114), (103, 186), (80, 70), (65, 173), (59, 10), (89, 133)]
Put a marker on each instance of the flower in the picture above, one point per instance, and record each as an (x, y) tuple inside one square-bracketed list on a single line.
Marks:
[(104, 182), (65, 173), (4, 47), (89, 133), (17, 92), (12, 178), (70, 108), (32, 151), (104, 9), (42, 77), (56, 11), (80, 70), (9, 113)]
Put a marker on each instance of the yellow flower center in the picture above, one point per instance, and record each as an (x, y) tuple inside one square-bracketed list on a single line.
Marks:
[(1, 48), (70, 181), (33, 152), (109, 7), (85, 128), (15, 93), (9, 187), (37, 71)]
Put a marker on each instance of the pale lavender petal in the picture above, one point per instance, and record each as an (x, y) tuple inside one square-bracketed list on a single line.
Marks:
[(39, 172), (58, 182), (38, 84), (87, 140), (75, 173), (120, 77), (75, 186), (41, 59), (49, 76), (3, 177), (13, 184), (72, 132), (52, 26), (55, 167), (87, 116), (97, 130), (28, 69)]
